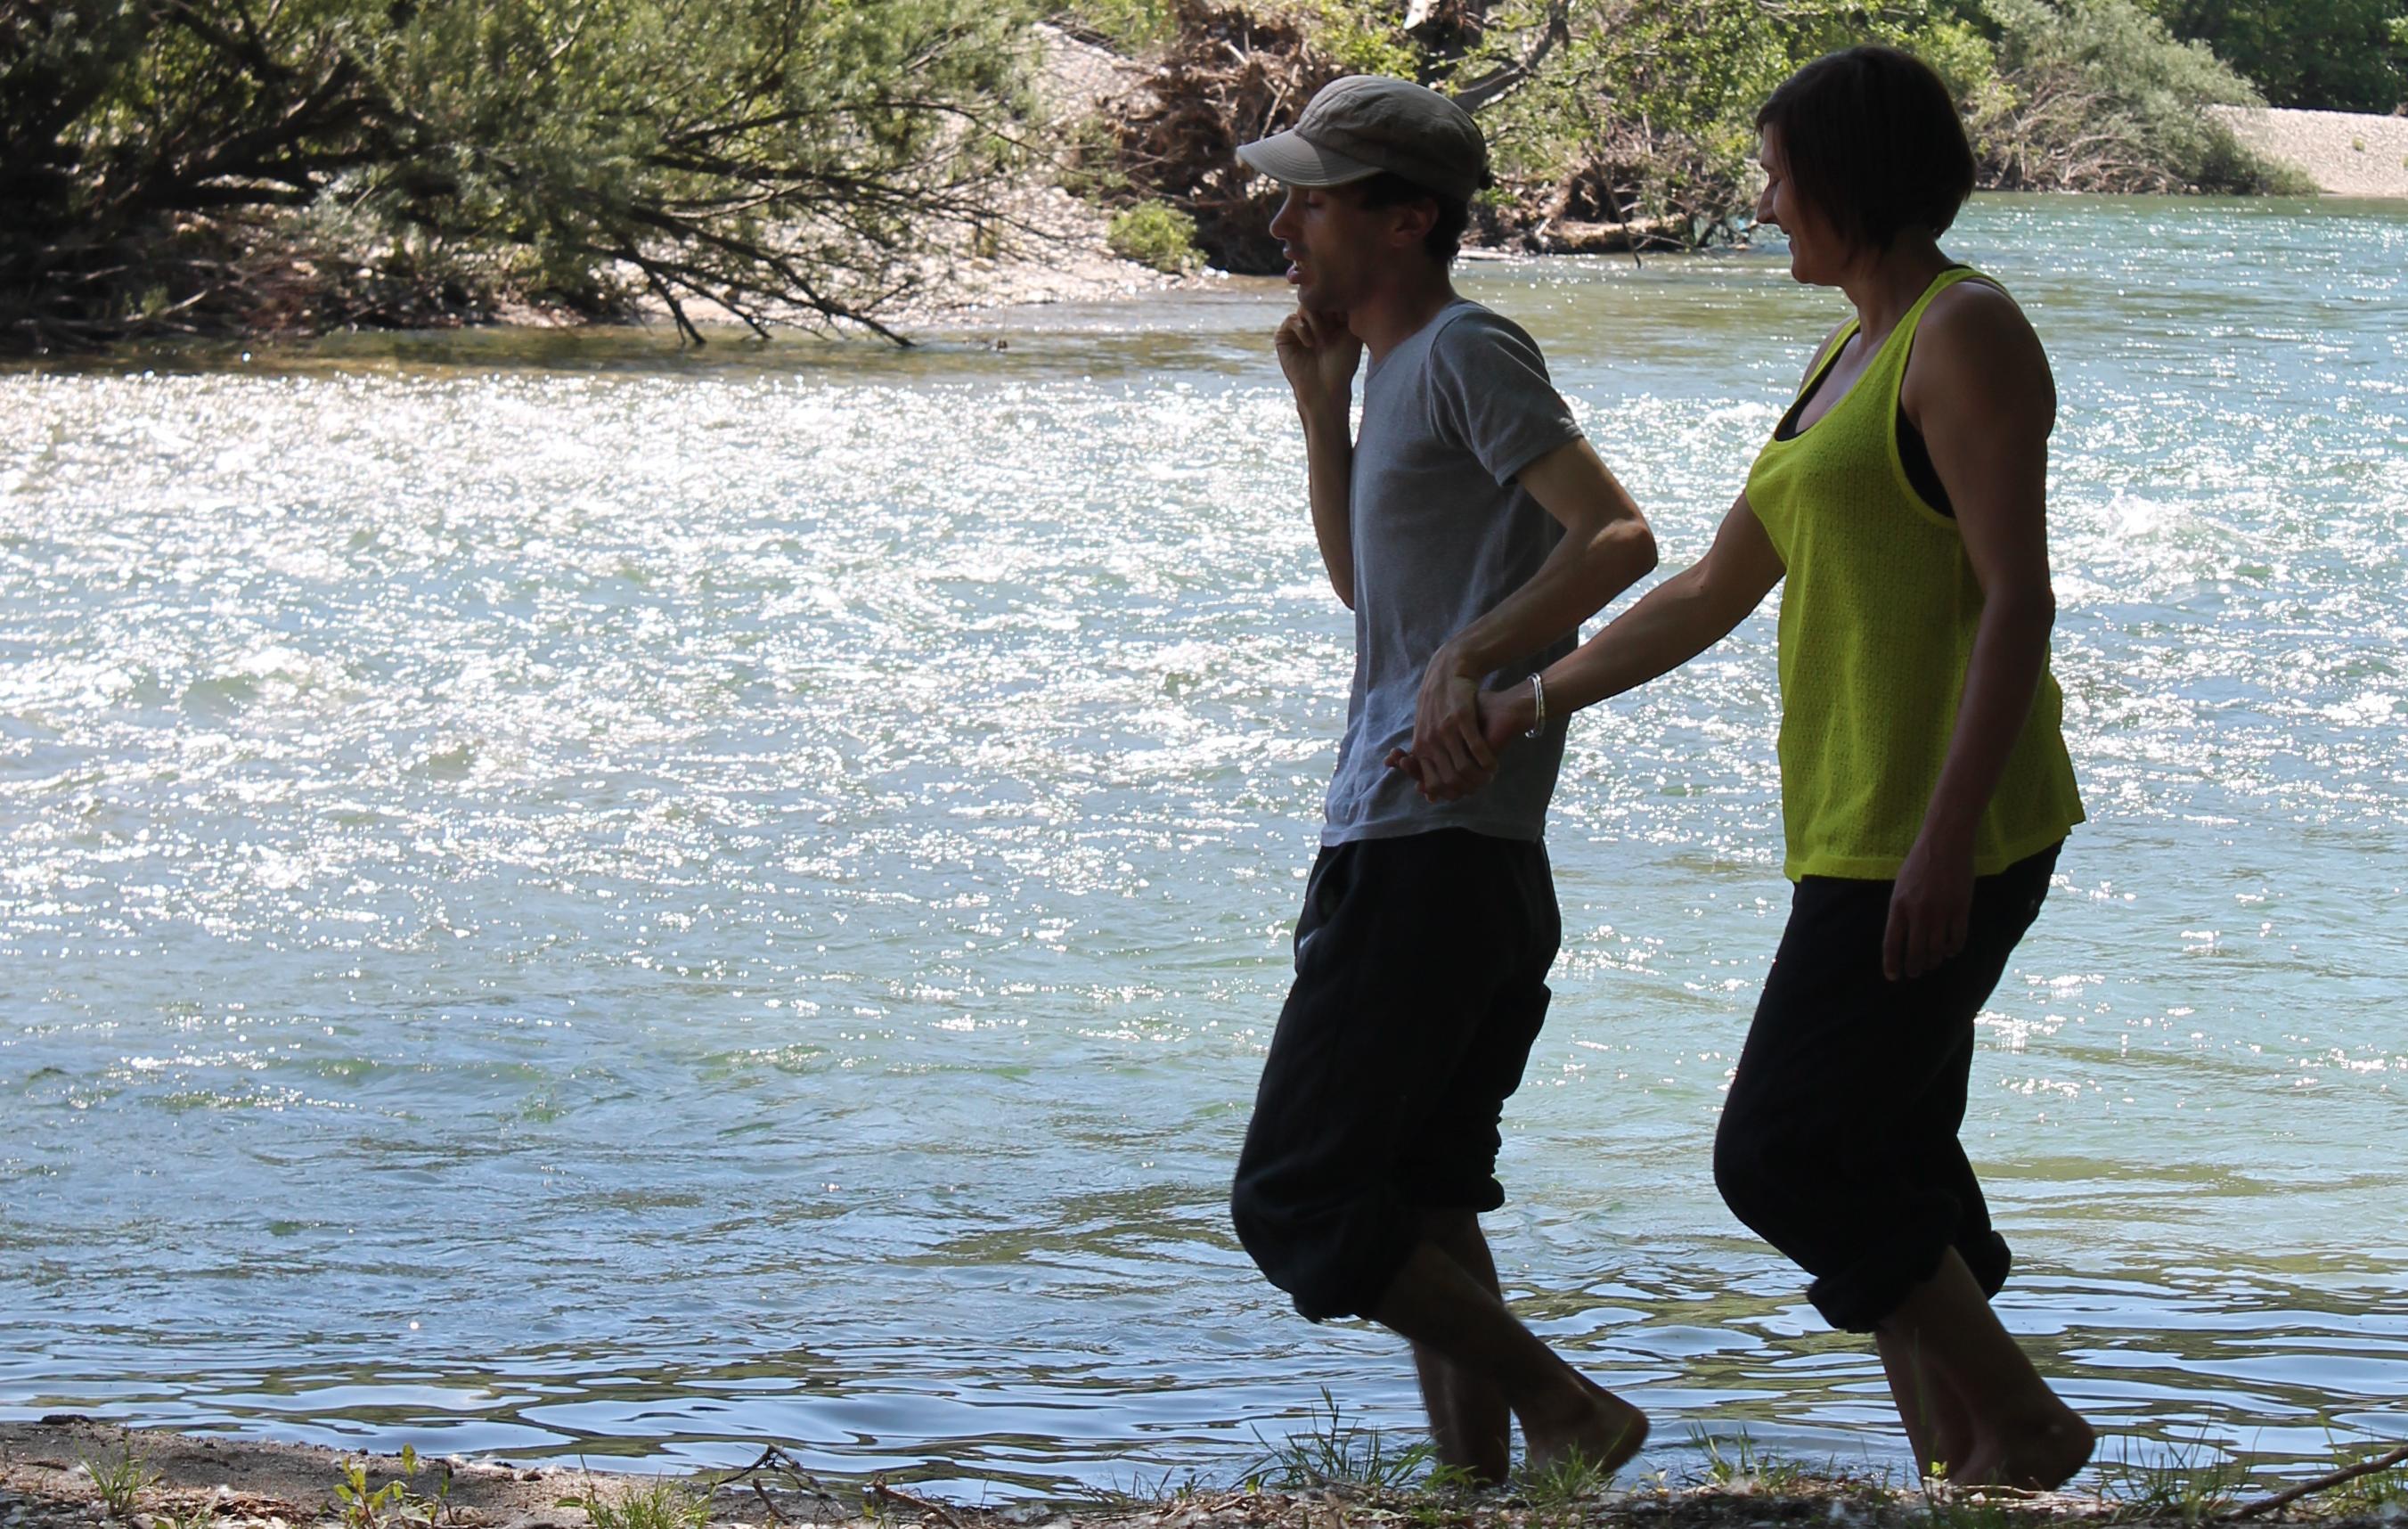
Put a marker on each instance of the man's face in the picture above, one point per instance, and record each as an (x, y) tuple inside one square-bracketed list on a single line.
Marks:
[(1333, 243)]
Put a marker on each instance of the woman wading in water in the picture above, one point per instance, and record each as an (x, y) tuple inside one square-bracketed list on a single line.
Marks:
[(1925, 784)]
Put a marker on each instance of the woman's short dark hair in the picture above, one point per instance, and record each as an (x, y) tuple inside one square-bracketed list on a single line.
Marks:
[(1445, 237), (1872, 142)]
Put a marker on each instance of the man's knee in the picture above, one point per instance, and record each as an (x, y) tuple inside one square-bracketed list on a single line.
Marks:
[(1332, 1260)]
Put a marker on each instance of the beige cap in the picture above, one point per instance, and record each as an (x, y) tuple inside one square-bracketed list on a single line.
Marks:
[(1356, 127)]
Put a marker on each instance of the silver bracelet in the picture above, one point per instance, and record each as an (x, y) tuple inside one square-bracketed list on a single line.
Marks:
[(1538, 706)]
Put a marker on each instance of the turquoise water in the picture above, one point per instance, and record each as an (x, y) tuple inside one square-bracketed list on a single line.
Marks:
[(566, 898)]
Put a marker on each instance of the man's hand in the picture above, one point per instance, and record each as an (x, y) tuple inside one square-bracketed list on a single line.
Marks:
[(1319, 354), (1930, 905)]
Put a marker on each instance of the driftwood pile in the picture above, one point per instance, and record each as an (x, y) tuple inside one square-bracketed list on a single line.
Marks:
[(1232, 74), (1228, 77)]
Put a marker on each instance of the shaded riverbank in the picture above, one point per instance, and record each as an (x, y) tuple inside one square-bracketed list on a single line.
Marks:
[(71, 1473)]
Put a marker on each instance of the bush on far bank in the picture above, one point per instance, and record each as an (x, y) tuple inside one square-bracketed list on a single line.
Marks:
[(1155, 235), (2099, 95)]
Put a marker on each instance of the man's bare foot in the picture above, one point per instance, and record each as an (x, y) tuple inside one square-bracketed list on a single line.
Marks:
[(1596, 1431), (2036, 1454)]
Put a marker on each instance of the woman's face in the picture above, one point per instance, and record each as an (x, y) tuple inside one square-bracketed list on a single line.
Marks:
[(1817, 254)]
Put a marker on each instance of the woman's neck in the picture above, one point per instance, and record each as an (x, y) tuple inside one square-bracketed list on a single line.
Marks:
[(1885, 284)]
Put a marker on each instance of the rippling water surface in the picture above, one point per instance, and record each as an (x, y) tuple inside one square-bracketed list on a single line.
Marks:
[(563, 897)]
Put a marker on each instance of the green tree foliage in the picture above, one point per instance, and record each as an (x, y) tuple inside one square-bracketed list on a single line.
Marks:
[(2098, 96), (2336, 55), (199, 164)]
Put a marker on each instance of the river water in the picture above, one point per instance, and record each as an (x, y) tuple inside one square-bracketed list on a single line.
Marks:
[(565, 897)]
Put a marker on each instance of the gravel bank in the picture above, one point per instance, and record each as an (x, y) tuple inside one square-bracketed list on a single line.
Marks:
[(2348, 153)]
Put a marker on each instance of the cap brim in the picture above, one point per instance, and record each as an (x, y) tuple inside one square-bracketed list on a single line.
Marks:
[(1287, 157)]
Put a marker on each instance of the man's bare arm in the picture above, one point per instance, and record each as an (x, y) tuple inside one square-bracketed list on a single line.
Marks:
[(1318, 355), (1606, 548)]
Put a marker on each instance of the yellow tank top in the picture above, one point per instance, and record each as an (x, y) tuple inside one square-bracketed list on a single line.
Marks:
[(1878, 613)]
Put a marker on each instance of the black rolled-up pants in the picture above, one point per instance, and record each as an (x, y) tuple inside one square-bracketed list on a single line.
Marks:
[(1838, 1142), (1421, 965)]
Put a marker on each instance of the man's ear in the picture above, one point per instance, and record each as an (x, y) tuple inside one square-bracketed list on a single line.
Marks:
[(1414, 220)]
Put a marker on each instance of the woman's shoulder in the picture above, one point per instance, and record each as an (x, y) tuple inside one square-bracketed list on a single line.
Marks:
[(1973, 311), (1975, 345)]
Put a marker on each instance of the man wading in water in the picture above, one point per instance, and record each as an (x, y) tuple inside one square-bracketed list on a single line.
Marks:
[(1471, 530)]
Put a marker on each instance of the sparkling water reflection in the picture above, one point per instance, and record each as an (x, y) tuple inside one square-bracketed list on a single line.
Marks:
[(564, 897)]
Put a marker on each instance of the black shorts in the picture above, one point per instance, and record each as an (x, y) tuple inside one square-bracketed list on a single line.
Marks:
[(1420, 966), (1838, 1142)]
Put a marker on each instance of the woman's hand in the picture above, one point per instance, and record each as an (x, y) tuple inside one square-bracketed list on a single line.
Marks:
[(1930, 905), (1503, 715)]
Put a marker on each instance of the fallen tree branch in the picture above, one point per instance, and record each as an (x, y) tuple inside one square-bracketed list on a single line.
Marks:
[(2322, 1483), (881, 1491)]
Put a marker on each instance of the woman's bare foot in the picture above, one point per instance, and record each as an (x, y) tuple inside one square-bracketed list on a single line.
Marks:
[(2038, 1453), (1938, 1427), (1594, 1430)]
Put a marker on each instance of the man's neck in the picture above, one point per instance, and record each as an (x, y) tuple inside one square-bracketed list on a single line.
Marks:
[(1388, 318)]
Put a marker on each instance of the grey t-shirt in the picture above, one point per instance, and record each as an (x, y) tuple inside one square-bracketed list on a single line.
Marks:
[(1443, 533)]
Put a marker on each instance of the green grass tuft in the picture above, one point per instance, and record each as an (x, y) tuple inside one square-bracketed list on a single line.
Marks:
[(1564, 1483), (1737, 1463), (1333, 1452), (121, 1481), (657, 1505), (2190, 1482)]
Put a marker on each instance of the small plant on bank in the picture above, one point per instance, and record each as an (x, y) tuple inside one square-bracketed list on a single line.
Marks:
[(1563, 1483), (659, 1504), (2186, 1483), (1333, 1452), (359, 1505), (1744, 1468), (1158, 235), (200, 1515), (362, 1506), (1138, 1496), (1444, 1498), (120, 1481)]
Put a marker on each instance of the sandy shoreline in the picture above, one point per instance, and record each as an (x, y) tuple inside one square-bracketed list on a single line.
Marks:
[(51, 1475)]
